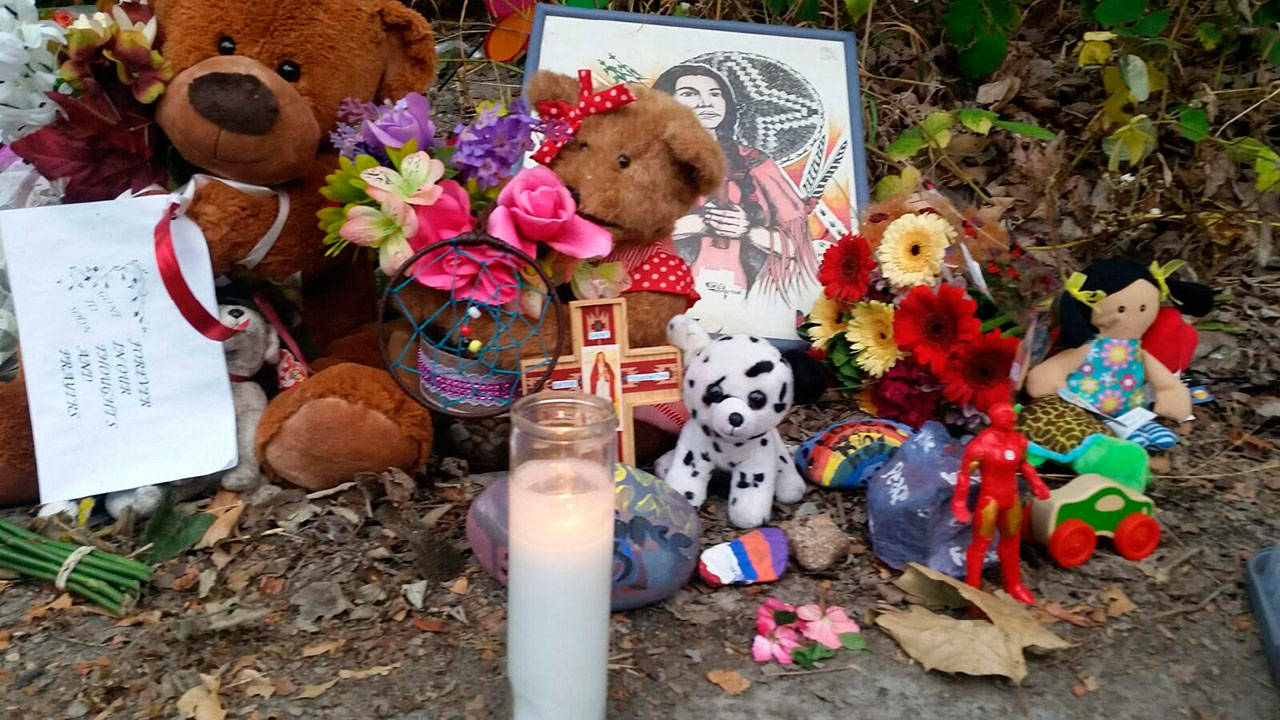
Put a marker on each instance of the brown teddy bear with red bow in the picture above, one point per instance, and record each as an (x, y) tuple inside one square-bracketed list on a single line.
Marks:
[(255, 95)]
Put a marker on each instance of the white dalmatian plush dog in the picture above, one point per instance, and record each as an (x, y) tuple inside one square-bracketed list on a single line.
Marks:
[(737, 388)]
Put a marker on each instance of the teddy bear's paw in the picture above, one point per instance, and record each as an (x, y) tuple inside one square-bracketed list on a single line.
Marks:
[(344, 420)]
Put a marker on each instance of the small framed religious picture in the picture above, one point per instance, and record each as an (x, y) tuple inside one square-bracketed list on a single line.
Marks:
[(783, 102)]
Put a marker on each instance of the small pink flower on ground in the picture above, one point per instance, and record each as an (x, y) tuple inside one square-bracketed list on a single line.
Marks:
[(825, 627), (773, 641)]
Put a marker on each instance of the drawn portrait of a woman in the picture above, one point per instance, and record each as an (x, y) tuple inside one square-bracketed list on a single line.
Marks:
[(751, 237)]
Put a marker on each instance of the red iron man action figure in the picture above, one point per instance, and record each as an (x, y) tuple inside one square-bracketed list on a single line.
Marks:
[(999, 453)]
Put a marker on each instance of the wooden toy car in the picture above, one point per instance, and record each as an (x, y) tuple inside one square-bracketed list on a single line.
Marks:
[(1073, 517)]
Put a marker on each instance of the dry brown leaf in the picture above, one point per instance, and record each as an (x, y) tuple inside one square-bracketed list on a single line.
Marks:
[(283, 686), (226, 508), (400, 615), (459, 586), (256, 684), (4, 639), (398, 484), (367, 673), (313, 691), (37, 611), (320, 648), (242, 662), (430, 625), (1237, 437), (148, 617), (1117, 602), (269, 585), (1055, 611), (940, 642), (730, 681), (187, 580), (929, 591), (201, 702), (1006, 613), (86, 667)]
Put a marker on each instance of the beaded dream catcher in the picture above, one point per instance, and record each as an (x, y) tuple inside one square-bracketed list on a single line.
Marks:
[(471, 309)]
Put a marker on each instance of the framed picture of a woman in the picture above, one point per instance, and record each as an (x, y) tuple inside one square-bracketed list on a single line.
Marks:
[(783, 103)]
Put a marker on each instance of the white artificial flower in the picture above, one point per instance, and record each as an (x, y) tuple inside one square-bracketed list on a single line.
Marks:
[(148, 29), (28, 69)]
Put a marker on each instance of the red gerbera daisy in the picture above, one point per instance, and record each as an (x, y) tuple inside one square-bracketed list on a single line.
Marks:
[(932, 325), (846, 268), (979, 371)]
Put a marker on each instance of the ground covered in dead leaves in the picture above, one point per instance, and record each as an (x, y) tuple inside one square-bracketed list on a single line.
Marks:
[(366, 604)]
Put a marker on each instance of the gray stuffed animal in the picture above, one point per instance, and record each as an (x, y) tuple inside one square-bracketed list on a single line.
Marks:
[(257, 344)]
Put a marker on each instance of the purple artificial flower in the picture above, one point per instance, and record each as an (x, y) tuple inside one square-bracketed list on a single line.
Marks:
[(409, 119), (492, 146)]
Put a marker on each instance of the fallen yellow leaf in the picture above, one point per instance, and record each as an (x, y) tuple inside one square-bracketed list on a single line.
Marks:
[(37, 611), (731, 681), (256, 684), (201, 702), (459, 586), (320, 648), (312, 691), (1117, 602), (367, 673), (226, 508), (149, 617)]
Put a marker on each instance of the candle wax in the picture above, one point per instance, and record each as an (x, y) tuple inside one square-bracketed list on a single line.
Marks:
[(560, 567)]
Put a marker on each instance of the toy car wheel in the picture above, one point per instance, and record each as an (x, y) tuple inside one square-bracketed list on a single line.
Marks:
[(1072, 543), (1137, 536)]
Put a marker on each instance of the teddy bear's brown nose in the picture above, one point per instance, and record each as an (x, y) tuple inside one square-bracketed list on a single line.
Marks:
[(235, 102)]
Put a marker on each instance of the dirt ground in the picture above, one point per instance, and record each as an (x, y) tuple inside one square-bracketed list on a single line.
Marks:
[(305, 614)]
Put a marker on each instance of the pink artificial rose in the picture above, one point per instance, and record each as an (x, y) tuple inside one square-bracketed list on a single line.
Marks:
[(535, 207), (481, 273), (446, 218)]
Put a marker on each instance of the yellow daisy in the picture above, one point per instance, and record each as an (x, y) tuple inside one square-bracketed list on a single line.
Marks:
[(911, 251), (825, 314), (870, 332)]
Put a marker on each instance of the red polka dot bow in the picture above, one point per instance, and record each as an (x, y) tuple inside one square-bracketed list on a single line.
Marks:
[(570, 117)]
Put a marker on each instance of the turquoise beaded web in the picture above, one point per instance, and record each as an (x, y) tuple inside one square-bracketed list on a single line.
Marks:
[(450, 377)]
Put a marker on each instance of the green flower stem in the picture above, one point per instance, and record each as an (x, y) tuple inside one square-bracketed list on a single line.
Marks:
[(98, 559), (91, 588), (106, 574)]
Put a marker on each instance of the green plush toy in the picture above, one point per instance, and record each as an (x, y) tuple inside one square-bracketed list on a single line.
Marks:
[(1125, 462)]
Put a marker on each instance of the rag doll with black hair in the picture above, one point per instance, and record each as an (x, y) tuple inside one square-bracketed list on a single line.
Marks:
[(1104, 314)]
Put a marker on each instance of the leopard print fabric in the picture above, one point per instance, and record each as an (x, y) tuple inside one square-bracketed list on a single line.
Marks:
[(1057, 425)]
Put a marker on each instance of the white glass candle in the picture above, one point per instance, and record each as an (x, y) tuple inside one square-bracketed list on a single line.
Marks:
[(560, 556)]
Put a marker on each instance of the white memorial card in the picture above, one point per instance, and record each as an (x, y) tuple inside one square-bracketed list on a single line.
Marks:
[(123, 392)]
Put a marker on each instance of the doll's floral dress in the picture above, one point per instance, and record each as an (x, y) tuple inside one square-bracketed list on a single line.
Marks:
[(1112, 376)]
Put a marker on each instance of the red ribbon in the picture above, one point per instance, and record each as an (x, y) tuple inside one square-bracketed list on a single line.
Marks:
[(171, 274), (572, 115)]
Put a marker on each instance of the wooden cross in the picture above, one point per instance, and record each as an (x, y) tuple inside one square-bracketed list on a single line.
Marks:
[(603, 364)]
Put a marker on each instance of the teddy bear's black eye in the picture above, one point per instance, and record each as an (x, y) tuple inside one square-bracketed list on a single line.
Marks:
[(289, 70), (1142, 308), (623, 161), (226, 46), (756, 400), (582, 145)]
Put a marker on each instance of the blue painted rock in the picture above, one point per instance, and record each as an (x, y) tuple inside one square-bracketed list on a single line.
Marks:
[(655, 541)]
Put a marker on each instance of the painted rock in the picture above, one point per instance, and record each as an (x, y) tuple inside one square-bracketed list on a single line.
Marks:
[(759, 556), (655, 541), (847, 454)]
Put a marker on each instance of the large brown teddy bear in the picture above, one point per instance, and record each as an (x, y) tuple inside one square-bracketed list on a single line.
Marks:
[(255, 96)]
